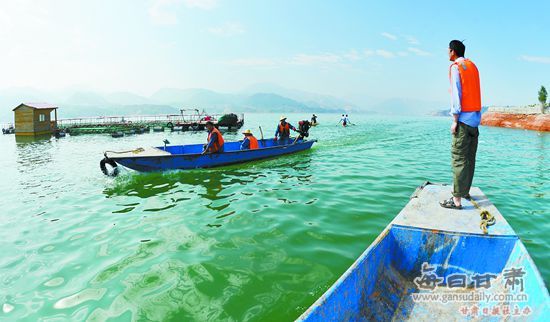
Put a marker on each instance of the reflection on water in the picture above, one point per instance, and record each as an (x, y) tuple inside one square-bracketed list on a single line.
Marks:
[(145, 185)]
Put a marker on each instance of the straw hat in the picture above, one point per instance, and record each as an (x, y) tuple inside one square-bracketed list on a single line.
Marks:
[(247, 132), (282, 118)]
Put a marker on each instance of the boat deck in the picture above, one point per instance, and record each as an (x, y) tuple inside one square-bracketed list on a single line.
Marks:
[(424, 211)]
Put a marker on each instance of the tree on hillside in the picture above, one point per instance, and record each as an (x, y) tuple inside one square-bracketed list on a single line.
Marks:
[(543, 95)]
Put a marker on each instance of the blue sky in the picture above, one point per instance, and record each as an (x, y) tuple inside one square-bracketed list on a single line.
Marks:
[(356, 50)]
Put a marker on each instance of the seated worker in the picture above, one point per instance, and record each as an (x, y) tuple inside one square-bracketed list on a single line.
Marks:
[(283, 130), (249, 141), (215, 139)]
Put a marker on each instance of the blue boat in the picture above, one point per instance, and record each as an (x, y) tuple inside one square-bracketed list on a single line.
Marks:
[(437, 264), (189, 156)]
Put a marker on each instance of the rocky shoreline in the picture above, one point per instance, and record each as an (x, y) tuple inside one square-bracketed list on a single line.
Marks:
[(536, 122)]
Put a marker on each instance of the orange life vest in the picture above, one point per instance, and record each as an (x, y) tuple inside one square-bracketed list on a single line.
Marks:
[(469, 81), (284, 130), (218, 144), (253, 142)]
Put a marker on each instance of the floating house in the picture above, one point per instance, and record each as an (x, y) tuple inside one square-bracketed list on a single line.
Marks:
[(35, 119)]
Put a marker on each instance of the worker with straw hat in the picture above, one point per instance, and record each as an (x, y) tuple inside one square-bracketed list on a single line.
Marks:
[(249, 141), (283, 130)]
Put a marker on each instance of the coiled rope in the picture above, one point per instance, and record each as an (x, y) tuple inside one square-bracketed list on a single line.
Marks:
[(487, 219)]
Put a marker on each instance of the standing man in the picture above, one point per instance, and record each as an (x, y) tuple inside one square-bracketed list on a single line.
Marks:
[(466, 112), (215, 139), (343, 120), (283, 130)]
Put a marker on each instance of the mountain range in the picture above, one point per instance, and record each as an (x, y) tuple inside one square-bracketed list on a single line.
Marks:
[(262, 97)]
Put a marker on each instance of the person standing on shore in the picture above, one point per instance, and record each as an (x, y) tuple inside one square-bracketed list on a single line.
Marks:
[(466, 112)]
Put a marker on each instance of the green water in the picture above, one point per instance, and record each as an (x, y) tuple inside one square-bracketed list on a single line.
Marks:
[(259, 241)]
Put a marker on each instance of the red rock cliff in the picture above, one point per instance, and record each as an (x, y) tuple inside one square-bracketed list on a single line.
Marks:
[(537, 122)]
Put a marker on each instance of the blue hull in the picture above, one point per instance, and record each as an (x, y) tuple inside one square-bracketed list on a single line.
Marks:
[(385, 282), (188, 156)]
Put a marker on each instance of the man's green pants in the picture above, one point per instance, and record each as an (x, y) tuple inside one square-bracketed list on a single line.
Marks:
[(463, 152)]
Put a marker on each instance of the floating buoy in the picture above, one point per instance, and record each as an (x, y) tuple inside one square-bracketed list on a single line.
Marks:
[(59, 134), (158, 129), (103, 166), (117, 134)]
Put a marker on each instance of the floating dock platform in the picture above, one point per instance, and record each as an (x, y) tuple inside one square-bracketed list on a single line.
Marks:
[(143, 123)]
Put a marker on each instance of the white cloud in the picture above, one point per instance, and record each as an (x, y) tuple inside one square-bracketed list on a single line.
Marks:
[(305, 59), (381, 53), (384, 53), (352, 55), (418, 52), (403, 53), (163, 11), (412, 40), (536, 59), (227, 30), (389, 36)]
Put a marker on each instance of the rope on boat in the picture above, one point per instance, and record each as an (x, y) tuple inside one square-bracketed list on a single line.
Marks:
[(487, 219), (135, 151)]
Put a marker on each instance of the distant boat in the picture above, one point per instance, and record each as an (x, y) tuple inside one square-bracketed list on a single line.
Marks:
[(428, 246), (190, 157)]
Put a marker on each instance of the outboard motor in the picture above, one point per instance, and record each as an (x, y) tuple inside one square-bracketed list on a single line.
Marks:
[(303, 129)]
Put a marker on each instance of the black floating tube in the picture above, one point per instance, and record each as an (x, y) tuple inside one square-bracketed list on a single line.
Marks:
[(103, 166)]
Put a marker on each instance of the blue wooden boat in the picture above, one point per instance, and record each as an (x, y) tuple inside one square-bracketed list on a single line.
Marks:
[(190, 157), (475, 276)]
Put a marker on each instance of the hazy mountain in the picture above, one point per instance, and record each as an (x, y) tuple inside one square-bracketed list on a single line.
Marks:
[(269, 102), (126, 98), (194, 98), (445, 111), (401, 106), (311, 99), (79, 103), (441, 112), (75, 111), (249, 102), (86, 99)]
